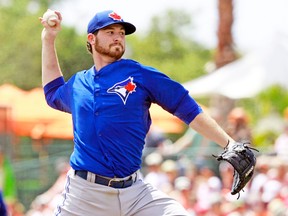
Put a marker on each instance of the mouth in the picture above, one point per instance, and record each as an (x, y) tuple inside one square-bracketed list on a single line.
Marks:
[(117, 45)]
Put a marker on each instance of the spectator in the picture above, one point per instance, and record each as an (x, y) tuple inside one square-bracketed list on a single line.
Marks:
[(281, 143), (3, 208), (184, 186), (155, 175), (277, 208), (170, 168), (45, 203), (191, 138), (207, 185), (277, 179), (260, 178), (196, 147), (238, 125), (154, 140)]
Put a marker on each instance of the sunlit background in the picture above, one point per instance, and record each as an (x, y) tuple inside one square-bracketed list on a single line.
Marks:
[(237, 72)]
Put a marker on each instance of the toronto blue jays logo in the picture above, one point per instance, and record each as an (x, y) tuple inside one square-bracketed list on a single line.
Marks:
[(115, 16), (123, 89)]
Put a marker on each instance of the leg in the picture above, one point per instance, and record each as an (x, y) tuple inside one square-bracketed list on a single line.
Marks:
[(85, 198), (142, 199)]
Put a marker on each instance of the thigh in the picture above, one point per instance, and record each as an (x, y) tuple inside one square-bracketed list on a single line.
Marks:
[(144, 200), (81, 197)]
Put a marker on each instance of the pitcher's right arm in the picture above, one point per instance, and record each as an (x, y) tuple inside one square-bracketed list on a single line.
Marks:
[(50, 65)]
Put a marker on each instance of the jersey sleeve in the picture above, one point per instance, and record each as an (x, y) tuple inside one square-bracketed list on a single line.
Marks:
[(171, 95), (57, 95)]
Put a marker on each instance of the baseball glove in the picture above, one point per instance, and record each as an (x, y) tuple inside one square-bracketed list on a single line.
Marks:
[(243, 160)]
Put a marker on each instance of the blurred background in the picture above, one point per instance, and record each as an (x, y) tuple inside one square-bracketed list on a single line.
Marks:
[(230, 54)]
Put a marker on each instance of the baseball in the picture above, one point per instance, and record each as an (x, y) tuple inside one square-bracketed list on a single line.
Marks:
[(50, 17)]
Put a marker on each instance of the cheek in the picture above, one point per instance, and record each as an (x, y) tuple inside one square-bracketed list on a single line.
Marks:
[(101, 43)]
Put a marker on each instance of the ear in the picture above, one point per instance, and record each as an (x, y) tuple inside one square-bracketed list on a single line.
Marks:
[(91, 38)]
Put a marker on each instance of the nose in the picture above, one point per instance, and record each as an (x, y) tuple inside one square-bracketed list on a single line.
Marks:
[(118, 37)]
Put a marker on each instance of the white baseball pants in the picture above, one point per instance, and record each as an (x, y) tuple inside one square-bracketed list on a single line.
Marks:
[(84, 198)]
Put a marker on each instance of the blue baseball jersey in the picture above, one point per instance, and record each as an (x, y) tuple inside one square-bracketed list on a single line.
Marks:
[(110, 113)]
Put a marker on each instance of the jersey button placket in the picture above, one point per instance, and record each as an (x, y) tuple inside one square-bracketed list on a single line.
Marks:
[(96, 95)]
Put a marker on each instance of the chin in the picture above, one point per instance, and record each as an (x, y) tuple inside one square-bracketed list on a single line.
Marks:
[(117, 54)]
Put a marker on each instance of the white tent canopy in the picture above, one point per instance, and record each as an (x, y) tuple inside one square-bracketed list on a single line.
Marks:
[(247, 76)]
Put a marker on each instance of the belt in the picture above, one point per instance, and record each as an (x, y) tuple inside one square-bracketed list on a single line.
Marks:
[(110, 182)]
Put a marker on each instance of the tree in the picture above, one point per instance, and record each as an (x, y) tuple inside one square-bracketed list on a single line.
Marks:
[(20, 56), (169, 47), (224, 54)]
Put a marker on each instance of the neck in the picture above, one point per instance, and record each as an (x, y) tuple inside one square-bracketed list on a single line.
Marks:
[(101, 61)]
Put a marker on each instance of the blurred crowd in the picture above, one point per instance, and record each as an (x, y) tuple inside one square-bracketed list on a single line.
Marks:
[(203, 186), (186, 170), (204, 193)]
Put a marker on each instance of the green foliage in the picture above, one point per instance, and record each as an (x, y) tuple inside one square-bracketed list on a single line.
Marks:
[(274, 99), (269, 103), (72, 53), (271, 100), (265, 139), (168, 47), (18, 51), (20, 35)]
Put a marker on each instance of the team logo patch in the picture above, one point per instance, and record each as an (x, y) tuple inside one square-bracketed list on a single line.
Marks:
[(123, 89), (115, 16)]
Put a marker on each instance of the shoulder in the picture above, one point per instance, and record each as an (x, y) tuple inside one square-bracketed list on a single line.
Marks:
[(86, 74), (89, 71), (138, 65)]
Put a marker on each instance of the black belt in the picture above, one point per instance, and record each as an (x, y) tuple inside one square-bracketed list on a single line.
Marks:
[(111, 182)]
